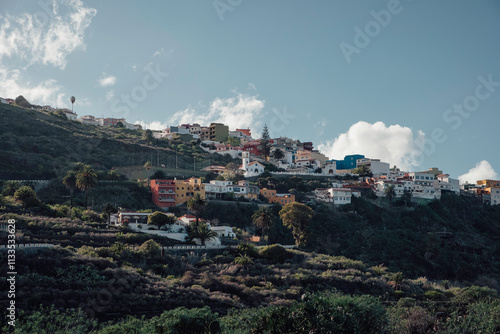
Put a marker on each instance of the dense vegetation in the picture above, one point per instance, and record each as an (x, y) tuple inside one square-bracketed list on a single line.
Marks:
[(38, 145)]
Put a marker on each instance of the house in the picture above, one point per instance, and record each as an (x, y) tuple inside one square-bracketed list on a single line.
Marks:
[(88, 119), (349, 161), (445, 183), (70, 115), (274, 197), (2, 100), (376, 166), (186, 189), (341, 196), (251, 169), (252, 147), (217, 189), (491, 188), (215, 169), (163, 193)]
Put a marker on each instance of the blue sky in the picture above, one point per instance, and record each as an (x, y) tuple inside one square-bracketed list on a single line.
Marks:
[(377, 78)]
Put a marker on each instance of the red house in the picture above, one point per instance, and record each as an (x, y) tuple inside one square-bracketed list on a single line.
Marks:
[(163, 193), (252, 147)]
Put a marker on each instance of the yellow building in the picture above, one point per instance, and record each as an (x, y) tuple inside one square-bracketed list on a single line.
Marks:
[(186, 189), (489, 183), (273, 197)]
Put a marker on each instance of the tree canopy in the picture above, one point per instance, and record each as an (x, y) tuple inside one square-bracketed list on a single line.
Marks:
[(160, 219), (297, 217)]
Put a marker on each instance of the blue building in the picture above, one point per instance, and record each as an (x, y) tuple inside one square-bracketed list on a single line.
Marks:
[(349, 161)]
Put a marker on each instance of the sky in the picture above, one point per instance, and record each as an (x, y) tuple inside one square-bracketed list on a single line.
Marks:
[(413, 83)]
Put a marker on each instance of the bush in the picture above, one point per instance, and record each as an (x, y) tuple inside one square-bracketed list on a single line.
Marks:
[(326, 312), (247, 249), (180, 320), (274, 253)]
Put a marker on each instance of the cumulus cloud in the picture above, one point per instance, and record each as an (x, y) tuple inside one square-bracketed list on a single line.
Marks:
[(155, 125), (482, 170), (395, 144), (48, 36), (240, 111), (107, 80), (46, 92)]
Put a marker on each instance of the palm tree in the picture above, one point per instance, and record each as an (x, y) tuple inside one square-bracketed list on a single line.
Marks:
[(197, 205), (86, 179), (69, 180), (263, 219), (72, 99), (202, 231), (277, 154), (390, 193)]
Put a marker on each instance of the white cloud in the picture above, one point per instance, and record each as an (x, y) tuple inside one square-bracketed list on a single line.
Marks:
[(240, 111), (482, 170), (46, 37), (395, 144), (110, 95), (46, 92), (155, 125), (107, 80)]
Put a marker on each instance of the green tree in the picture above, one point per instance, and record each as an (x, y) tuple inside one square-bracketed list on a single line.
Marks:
[(363, 171), (407, 195), (263, 219), (148, 136), (233, 141), (120, 125), (297, 217), (160, 219), (390, 193), (197, 205), (150, 249), (86, 179), (277, 154), (69, 180), (21, 101), (265, 143), (158, 175), (10, 187), (200, 230), (109, 209), (27, 197)]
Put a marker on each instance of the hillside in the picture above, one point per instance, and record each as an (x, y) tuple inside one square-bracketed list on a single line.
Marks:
[(113, 274), (36, 145)]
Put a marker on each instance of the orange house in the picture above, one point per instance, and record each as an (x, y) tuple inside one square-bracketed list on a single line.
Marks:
[(273, 197)]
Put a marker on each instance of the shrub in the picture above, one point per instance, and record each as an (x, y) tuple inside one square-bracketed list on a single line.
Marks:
[(328, 312), (247, 249), (274, 253)]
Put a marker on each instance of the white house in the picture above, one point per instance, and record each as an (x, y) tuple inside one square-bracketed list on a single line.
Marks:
[(377, 167), (340, 196), (250, 169), (444, 182)]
